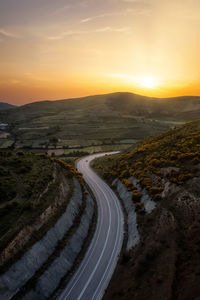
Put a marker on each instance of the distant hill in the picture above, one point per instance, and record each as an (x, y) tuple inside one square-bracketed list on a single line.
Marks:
[(181, 108), (110, 116), (4, 106), (121, 103)]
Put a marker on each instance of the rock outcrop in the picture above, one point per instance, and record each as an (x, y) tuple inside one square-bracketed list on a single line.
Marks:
[(50, 279)]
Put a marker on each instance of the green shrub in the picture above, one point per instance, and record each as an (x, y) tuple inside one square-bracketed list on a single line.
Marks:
[(129, 185), (136, 196), (156, 190), (196, 160), (139, 206), (157, 197)]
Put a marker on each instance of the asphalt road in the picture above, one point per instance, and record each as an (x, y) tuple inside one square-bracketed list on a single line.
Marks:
[(94, 273)]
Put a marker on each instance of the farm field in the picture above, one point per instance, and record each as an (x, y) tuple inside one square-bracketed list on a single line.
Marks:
[(119, 118), (89, 150), (80, 126)]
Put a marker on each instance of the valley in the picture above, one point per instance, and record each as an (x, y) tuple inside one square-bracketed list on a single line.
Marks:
[(99, 150), (53, 216), (92, 124)]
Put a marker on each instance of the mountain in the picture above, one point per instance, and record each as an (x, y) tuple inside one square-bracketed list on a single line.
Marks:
[(115, 104), (161, 178), (113, 117), (4, 106)]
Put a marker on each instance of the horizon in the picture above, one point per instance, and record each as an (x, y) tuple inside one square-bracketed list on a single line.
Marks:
[(69, 49), (94, 95)]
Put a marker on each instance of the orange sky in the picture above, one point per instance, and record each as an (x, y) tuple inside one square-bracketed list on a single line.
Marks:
[(60, 49)]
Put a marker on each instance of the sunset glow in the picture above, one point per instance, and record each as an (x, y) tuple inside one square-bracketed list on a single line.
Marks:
[(148, 82), (60, 49)]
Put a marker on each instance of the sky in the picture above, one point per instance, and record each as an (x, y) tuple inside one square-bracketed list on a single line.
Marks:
[(70, 48)]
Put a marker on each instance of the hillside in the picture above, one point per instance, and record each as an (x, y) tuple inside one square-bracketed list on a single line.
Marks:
[(47, 218), (120, 118), (4, 106), (22, 182), (160, 179), (29, 185)]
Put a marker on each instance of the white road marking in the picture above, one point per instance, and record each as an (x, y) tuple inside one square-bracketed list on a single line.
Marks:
[(109, 268)]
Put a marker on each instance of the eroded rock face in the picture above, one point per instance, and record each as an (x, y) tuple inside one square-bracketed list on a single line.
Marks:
[(50, 279), (133, 235), (24, 269), (165, 263), (149, 205), (193, 186), (170, 189)]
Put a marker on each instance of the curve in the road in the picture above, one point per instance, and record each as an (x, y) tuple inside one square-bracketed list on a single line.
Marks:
[(94, 273)]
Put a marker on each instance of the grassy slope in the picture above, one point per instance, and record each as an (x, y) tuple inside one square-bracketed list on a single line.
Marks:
[(112, 116), (165, 265), (171, 156), (24, 177)]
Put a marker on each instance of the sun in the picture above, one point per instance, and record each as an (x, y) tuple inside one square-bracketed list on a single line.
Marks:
[(140, 82), (148, 82)]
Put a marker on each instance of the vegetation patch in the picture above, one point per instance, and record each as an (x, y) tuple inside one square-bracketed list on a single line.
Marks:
[(29, 185), (177, 150)]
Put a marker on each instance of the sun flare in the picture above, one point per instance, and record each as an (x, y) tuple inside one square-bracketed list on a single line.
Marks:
[(139, 82), (147, 82)]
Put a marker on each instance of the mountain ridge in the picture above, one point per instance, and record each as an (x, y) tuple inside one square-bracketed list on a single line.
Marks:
[(4, 106), (112, 94), (117, 98)]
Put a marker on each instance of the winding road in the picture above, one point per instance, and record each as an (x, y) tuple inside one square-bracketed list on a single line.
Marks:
[(94, 273)]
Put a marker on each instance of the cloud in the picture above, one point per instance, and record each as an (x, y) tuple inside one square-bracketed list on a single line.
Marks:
[(135, 11), (137, 2), (67, 33), (99, 17), (61, 9), (88, 19), (131, 1), (8, 33), (70, 6), (110, 29), (62, 35)]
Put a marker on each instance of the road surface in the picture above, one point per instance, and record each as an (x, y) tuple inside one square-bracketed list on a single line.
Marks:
[(94, 273)]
